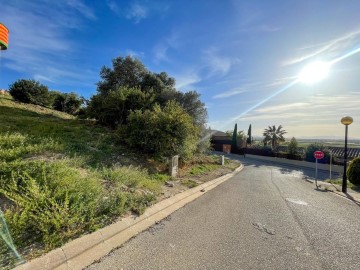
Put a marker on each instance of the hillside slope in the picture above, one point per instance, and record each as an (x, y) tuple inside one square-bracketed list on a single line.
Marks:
[(62, 177)]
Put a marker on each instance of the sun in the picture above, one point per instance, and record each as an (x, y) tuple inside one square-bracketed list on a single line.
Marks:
[(314, 72)]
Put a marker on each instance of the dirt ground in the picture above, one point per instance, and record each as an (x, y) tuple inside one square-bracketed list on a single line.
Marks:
[(180, 184)]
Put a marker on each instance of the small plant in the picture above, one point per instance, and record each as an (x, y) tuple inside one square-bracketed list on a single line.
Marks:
[(190, 183), (293, 147), (202, 168), (339, 183), (353, 171)]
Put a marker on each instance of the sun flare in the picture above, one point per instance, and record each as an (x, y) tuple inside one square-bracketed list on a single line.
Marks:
[(314, 72)]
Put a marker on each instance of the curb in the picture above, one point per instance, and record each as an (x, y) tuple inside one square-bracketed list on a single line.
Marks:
[(89, 248), (350, 195)]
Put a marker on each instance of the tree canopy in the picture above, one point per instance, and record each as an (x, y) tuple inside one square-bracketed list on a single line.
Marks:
[(274, 136), (112, 104), (234, 137), (130, 72), (30, 91), (148, 110), (67, 102), (249, 136)]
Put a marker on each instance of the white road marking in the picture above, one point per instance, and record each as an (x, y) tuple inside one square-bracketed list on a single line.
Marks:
[(296, 201)]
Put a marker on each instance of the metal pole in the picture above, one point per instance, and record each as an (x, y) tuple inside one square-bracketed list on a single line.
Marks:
[(344, 183), (330, 163), (316, 174)]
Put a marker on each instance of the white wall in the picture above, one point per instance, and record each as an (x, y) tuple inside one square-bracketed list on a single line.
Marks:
[(325, 167)]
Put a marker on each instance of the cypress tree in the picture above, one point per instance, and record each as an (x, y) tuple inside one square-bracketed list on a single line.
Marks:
[(234, 138), (249, 138)]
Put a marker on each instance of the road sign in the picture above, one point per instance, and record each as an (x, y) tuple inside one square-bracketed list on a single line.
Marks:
[(319, 154)]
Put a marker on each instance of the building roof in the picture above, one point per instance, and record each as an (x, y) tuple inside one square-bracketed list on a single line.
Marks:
[(339, 152), (218, 133)]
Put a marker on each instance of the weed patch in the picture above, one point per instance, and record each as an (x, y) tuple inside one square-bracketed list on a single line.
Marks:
[(190, 183), (339, 182), (62, 177), (59, 177)]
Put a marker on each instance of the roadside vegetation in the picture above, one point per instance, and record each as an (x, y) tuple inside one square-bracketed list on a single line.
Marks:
[(67, 169), (339, 181), (33, 92), (353, 171), (273, 144), (63, 177)]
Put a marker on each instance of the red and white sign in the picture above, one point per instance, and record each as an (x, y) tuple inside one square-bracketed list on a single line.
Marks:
[(319, 154)]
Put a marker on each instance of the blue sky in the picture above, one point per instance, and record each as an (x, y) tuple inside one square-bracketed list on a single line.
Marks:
[(237, 54)]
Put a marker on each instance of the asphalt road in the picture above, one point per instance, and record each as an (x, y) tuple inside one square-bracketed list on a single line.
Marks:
[(266, 217)]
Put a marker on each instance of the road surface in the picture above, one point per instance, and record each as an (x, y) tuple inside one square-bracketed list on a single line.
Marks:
[(266, 217)]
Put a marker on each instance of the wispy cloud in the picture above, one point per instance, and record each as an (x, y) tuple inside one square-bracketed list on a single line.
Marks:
[(281, 81), (317, 107), (216, 64), (38, 38), (162, 48), (136, 54), (261, 28), (326, 49), (114, 7), (252, 18), (283, 108), (186, 81), (137, 12), (230, 93), (82, 8), (256, 86), (160, 52)]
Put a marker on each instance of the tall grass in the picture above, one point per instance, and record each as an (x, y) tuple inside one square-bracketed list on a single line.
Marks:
[(62, 177)]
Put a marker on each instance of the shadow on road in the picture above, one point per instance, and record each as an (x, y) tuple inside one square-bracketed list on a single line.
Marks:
[(307, 173)]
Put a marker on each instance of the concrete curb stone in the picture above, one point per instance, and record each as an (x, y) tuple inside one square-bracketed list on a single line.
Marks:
[(350, 195), (85, 250)]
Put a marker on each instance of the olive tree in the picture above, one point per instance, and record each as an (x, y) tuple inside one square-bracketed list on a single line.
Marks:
[(163, 131), (30, 91)]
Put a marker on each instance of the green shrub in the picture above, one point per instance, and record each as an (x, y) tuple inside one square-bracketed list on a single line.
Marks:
[(15, 145), (353, 171), (30, 91), (54, 205), (114, 108), (293, 147), (309, 154), (163, 132), (54, 202), (125, 178), (7, 257), (66, 102)]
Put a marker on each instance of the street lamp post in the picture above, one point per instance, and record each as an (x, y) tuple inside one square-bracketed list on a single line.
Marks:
[(347, 120)]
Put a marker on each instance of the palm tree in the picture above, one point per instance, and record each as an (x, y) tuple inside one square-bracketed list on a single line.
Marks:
[(274, 136)]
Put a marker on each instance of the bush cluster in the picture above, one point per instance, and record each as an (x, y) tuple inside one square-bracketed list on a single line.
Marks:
[(147, 110), (353, 171), (33, 92), (309, 154), (163, 131), (55, 202)]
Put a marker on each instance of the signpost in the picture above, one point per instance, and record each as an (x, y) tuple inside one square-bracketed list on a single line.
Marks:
[(317, 155), (330, 163)]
